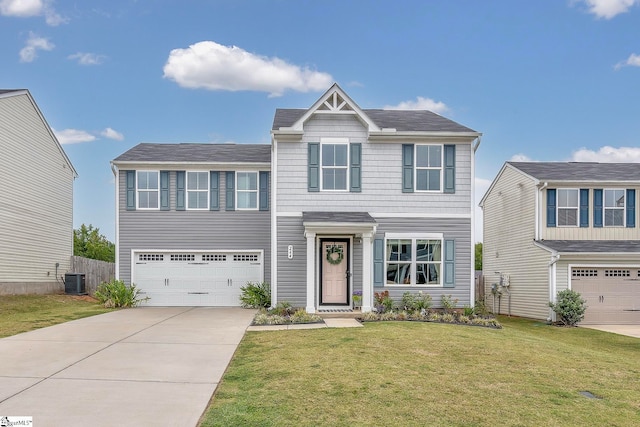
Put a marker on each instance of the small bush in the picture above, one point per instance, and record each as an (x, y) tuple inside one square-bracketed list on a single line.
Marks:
[(301, 316), (283, 308), (416, 302), (448, 303), (383, 302), (116, 293), (480, 308), (468, 311), (255, 295), (569, 307)]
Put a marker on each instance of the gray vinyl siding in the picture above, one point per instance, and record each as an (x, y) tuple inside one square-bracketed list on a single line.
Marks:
[(509, 227), (190, 230), (36, 213), (292, 273), (457, 229), (381, 175)]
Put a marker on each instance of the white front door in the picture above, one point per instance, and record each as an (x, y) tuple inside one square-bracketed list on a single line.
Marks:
[(334, 272)]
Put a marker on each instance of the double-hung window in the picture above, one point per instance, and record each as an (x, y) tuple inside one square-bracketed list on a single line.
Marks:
[(247, 190), (568, 206), (148, 189), (614, 207), (335, 166), (197, 190), (428, 168), (414, 261)]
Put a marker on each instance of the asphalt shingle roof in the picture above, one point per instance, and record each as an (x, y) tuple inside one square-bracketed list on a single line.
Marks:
[(3, 91), (580, 171), (354, 217), (589, 246), (401, 120), (194, 152)]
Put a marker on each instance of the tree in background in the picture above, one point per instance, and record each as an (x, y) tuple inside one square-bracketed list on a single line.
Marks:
[(89, 243), (478, 256)]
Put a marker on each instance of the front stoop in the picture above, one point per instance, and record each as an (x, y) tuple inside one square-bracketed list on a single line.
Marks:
[(346, 313)]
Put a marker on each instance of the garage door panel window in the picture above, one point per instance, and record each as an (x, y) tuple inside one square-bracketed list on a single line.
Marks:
[(568, 205), (614, 208), (148, 189), (197, 190), (247, 190)]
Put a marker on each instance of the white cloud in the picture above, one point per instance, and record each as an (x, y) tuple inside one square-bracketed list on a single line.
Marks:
[(608, 9), (520, 158), (633, 60), (30, 8), (73, 136), (420, 104), (112, 134), (209, 65), (34, 43), (608, 154), (87, 58)]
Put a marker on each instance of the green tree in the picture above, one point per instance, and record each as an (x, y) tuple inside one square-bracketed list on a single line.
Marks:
[(478, 256), (89, 243)]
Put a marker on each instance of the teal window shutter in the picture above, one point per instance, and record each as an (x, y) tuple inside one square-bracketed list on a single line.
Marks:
[(631, 208), (214, 190), (131, 190), (449, 264), (180, 190), (449, 169), (355, 169), (378, 263), (597, 207), (164, 190), (407, 168), (313, 164), (584, 207), (551, 207), (230, 193), (264, 191)]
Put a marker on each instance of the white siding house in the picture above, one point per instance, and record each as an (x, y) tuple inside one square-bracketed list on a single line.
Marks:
[(36, 214)]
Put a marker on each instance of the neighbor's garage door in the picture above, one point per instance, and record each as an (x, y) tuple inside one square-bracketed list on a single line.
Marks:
[(195, 279), (612, 293)]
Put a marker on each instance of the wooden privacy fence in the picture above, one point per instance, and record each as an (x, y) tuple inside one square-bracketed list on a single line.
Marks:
[(95, 271)]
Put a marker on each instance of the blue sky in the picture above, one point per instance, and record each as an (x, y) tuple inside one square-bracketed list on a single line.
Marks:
[(542, 80)]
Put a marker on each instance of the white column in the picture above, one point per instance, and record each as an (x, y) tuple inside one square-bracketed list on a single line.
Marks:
[(367, 265), (311, 272)]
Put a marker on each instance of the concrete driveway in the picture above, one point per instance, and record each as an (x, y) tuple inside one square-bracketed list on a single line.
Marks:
[(135, 367), (628, 330)]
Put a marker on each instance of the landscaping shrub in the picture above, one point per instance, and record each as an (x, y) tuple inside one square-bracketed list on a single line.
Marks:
[(255, 295), (383, 302), (416, 302), (116, 294), (569, 307), (448, 303)]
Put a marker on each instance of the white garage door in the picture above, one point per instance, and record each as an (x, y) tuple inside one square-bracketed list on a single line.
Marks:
[(171, 278), (612, 293)]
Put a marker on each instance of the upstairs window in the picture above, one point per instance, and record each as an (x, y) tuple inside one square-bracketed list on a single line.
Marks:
[(148, 189), (197, 190), (247, 190), (614, 207), (335, 165), (568, 206), (428, 168)]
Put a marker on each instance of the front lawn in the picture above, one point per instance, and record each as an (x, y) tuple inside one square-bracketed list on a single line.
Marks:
[(22, 313), (417, 374)]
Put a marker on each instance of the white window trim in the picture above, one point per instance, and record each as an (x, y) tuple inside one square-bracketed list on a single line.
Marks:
[(206, 208), (414, 237), (604, 207), (577, 224), (138, 190), (257, 191), (416, 168), (335, 141)]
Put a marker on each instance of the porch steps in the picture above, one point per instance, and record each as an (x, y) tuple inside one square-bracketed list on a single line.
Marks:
[(339, 313)]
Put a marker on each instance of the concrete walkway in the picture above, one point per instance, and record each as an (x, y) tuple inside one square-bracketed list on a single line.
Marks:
[(135, 367), (628, 330)]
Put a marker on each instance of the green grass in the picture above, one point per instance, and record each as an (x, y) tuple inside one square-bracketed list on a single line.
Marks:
[(22, 313), (420, 374)]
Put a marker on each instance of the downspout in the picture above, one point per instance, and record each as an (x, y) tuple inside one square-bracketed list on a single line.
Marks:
[(274, 221), (537, 213), (552, 283), (114, 169), (472, 292)]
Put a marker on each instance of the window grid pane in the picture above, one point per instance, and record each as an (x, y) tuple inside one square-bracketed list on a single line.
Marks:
[(335, 160), (247, 190), (428, 167), (414, 261)]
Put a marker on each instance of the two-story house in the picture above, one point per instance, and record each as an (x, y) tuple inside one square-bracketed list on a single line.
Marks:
[(358, 201), (550, 226)]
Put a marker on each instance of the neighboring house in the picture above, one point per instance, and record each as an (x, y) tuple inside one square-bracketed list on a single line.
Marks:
[(556, 226), (192, 221), (36, 213), (357, 201)]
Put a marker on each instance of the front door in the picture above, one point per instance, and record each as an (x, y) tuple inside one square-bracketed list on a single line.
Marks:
[(334, 272)]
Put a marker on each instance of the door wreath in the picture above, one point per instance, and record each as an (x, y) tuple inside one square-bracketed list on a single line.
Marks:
[(338, 257)]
